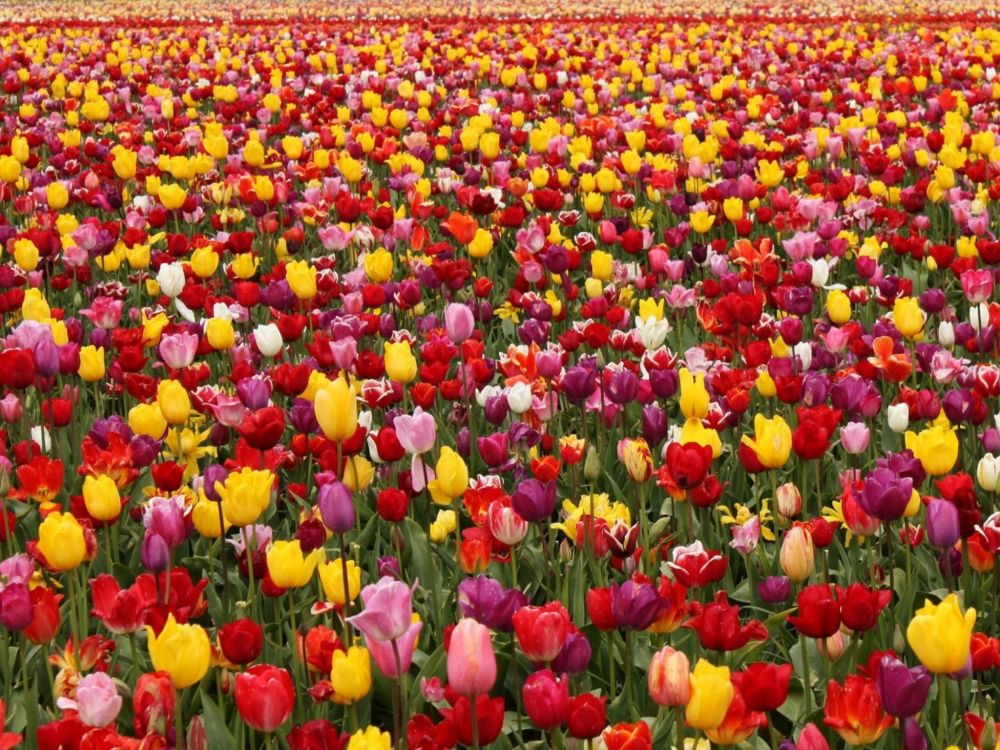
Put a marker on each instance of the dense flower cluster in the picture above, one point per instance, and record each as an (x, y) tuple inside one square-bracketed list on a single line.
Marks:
[(498, 383)]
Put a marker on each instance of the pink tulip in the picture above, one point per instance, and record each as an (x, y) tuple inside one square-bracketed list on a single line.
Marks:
[(458, 321), (854, 436), (977, 285), (178, 350), (472, 666), (416, 432), (387, 624), (811, 739), (97, 700)]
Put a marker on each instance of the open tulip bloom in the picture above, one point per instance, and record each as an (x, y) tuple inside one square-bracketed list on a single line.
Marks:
[(619, 375)]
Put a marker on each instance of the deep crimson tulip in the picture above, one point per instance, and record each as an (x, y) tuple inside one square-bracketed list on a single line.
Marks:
[(541, 631), (489, 717), (587, 716), (153, 704), (265, 697), (819, 611), (960, 491), (423, 734), (546, 699), (985, 652), (718, 626), (861, 606), (63, 734), (318, 734), (241, 641), (392, 504), (263, 428), (17, 368), (764, 686)]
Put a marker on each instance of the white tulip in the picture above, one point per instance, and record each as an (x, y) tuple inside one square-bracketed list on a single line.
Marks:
[(899, 417), (170, 277), (988, 472), (268, 338)]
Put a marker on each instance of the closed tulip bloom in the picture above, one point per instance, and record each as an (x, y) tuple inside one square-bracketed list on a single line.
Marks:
[(336, 507), (943, 528), (459, 322), (241, 641), (711, 694), (416, 432), (101, 497), (92, 366), (941, 635), (694, 396), (797, 554), (546, 699), (182, 651), (854, 437), (350, 675), (908, 317), (337, 410), (331, 576), (265, 697), (173, 400), (288, 567), (61, 541), (542, 631), (451, 477), (635, 456), (245, 495), (268, 339), (147, 419), (988, 472), (172, 196), (400, 364), (220, 333), (301, 278), (668, 678), (772, 441), (472, 665)]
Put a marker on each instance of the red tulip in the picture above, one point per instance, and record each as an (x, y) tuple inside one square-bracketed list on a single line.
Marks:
[(629, 737), (819, 612), (44, 615), (764, 686), (861, 606), (587, 716), (265, 697), (241, 641), (546, 699), (541, 631)]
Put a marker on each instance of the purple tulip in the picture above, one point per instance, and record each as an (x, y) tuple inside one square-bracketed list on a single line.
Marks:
[(485, 600), (154, 554), (903, 690), (574, 656), (255, 393), (913, 735), (165, 518), (533, 500), (654, 424), (885, 494), (579, 382), (943, 528), (336, 507), (775, 589), (635, 605)]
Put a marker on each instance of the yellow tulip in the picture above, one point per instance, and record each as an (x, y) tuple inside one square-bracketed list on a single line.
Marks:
[(331, 576), (711, 694), (378, 265), (205, 516), (694, 396), (936, 447), (100, 495), (301, 278), (245, 495), (702, 221), (908, 317), (400, 364), (26, 254), (336, 409), (370, 738), (147, 419), (220, 333), (182, 651), (838, 307), (601, 265), (173, 400), (451, 477), (204, 262), (772, 441), (350, 675), (61, 541), (91, 363), (56, 195), (289, 568), (940, 635), (172, 196)]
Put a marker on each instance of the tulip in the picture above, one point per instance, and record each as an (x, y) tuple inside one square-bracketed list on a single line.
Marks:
[(936, 447), (694, 398), (903, 690), (854, 711), (546, 699), (587, 716), (241, 641), (173, 401), (97, 700), (337, 410), (796, 554), (451, 477), (101, 497), (288, 567), (711, 694), (400, 364), (183, 651), (336, 507), (459, 322), (301, 278), (61, 541), (668, 677), (542, 631), (370, 738), (943, 528), (772, 441), (941, 635), (265, 697), (350, 675), (387, 617), (899, 417), (331, 576), (472, 667), (245, 494), (91, 363)]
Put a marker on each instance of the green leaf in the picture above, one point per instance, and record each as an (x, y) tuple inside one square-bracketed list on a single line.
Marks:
[(216, 731)]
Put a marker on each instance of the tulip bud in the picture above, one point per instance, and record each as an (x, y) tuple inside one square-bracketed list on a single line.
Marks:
[(797, 554), (811, 739), (987, 472), (472, 665), (833, 647), (988, 737), (899, 417), (668, 677), (946, 334), (789, 500), (592, 465)]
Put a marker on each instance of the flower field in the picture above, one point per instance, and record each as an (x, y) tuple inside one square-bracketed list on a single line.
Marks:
[(604, 376)]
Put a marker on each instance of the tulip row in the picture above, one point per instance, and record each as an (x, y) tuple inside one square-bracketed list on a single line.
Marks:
[(442, 383)]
